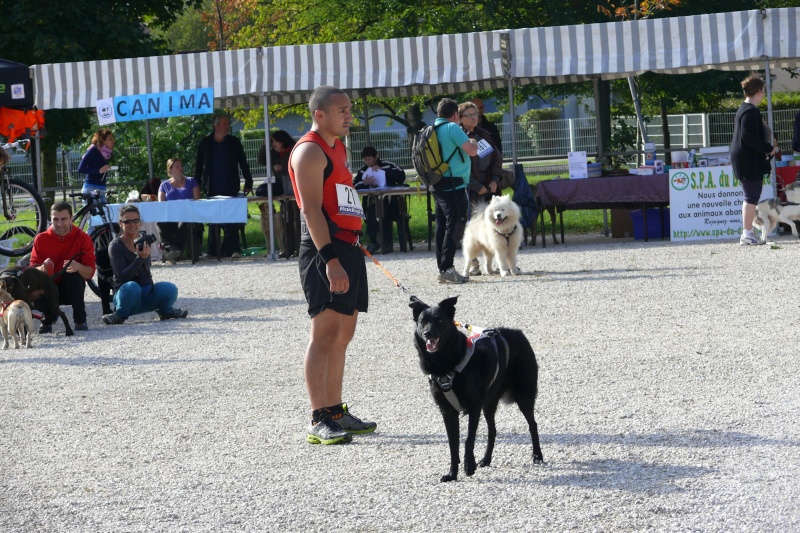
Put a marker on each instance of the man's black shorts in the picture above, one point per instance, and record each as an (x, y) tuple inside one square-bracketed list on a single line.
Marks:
[(315, 282)]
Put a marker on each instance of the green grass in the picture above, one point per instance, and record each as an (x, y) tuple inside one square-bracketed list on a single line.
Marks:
[(575, 222)]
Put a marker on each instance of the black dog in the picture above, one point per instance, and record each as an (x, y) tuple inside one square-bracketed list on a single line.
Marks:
[(502, 366), (534, 228), (31, 285)]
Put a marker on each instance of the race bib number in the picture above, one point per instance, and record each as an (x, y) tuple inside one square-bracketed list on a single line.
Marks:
[(484, 148), (347, 198)]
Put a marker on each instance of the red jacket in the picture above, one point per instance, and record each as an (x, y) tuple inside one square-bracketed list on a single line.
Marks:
[(61, 249)]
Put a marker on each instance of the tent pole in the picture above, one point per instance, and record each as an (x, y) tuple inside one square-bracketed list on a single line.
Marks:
[(505, 47), (513, 112), (638, 106), (149, 147), (773, 177), (366, 120), (270, 174), (39, 166), (596, 85)]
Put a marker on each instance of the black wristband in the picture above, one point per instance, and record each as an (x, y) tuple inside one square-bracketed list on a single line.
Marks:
[(328, 253)]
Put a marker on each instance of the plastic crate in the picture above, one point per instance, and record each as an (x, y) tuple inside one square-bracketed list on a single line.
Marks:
[(657, 224)]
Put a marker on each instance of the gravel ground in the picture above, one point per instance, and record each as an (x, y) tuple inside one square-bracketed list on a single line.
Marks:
[(668, 401)]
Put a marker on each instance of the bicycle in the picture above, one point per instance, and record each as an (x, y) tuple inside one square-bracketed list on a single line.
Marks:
[(24, 215), (96, 205)]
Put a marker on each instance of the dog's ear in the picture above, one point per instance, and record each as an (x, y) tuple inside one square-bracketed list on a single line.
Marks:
[(418, 306), (449, 306)]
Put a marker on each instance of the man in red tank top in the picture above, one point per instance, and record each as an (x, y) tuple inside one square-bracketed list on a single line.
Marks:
[(332, 269)]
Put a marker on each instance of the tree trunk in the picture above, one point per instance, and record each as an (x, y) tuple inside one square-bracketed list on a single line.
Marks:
[(604, 117), (665, 133)]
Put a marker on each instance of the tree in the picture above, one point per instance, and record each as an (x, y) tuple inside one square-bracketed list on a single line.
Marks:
[(80, 30)]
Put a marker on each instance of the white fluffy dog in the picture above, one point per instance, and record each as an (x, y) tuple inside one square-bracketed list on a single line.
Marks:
[(494, 231), (770, 212)]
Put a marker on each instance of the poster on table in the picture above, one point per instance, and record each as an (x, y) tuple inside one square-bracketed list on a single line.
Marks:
[(578, 168), (706, 203)]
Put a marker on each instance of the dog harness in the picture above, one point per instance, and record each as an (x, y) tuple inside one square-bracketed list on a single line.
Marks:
[(476, 335), (34, 313), (507, 235)]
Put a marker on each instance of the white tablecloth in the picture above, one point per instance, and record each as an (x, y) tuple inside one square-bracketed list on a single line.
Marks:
[(213, 211)]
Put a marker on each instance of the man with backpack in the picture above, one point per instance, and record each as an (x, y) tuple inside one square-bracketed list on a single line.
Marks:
[(450, 193)]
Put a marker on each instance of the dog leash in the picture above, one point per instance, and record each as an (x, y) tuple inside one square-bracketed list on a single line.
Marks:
[(388, 274)]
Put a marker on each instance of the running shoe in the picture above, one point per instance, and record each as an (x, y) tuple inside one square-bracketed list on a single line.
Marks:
[(326, 431), (353, 424)]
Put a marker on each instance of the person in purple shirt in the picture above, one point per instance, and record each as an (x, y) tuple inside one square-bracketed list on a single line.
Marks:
[(175, 235)]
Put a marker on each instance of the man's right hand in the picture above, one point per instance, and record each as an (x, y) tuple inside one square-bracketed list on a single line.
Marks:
[(47, 267), (340, 282)]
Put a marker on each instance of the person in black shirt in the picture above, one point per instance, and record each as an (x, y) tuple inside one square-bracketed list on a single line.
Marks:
[(750, 153)]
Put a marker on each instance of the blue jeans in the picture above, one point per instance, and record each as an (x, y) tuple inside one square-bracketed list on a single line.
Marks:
[(133, 299), (87, 188)]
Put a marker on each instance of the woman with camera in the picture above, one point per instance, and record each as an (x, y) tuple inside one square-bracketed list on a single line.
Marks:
[(134, 290)]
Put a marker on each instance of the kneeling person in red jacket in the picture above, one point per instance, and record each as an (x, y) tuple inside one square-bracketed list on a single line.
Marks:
[(51, 251)]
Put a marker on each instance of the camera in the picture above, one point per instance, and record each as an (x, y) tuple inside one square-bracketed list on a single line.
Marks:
[(143, 238)]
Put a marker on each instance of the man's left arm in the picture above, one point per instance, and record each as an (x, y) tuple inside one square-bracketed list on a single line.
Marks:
[(394, 175), (85, 264), (245, 166)]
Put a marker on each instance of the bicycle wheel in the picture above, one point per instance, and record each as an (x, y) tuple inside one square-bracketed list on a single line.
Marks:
[(102, 282), (23, 219)]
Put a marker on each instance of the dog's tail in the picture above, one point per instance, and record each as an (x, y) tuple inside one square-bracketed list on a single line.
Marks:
[(66, 266)]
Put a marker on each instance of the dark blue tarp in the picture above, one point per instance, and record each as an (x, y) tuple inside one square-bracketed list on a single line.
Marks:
[(16, 87), (523, 197)]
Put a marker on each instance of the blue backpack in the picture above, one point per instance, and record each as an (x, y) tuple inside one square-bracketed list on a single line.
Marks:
[(523, 197)]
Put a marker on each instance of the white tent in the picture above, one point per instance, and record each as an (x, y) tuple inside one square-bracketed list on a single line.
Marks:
[(451, 64)]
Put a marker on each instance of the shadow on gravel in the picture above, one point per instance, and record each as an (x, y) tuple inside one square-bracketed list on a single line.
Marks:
[(239, 304), (109, 361), (697, 438), (631, 476), (590, 275)]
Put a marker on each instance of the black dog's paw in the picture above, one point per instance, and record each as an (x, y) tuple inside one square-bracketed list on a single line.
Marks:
[(70, 333), (448, 477), (469, 467), (538, 460), (485, 462)]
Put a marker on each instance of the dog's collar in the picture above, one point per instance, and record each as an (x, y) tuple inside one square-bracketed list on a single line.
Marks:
[(507, 235)]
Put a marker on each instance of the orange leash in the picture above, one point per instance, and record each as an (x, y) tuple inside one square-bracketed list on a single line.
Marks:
[(388, 274)]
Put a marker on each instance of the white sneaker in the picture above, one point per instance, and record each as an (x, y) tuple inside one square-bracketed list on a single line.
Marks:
[(451, 276), (749, 240), (236, 255)]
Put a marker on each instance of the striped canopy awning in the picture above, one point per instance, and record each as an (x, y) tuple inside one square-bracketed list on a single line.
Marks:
[(442, 64), (286, 74), (741, 40)]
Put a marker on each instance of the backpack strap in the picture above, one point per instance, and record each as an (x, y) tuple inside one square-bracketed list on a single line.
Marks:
[(447, 161)]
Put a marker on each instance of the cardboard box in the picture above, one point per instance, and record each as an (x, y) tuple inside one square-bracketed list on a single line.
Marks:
[(621, 223)]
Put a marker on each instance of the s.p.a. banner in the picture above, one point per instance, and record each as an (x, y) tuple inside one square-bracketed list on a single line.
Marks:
[(155, 105), (706, 203)]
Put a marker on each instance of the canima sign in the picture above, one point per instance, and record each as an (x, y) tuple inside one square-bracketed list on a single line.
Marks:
[(155, 105)]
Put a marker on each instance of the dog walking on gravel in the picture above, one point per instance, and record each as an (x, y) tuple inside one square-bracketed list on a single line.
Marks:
[(470, 374)]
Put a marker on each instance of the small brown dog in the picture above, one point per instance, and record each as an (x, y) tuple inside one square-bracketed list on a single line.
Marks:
[(278, 227), (16, 319), (534, 229)]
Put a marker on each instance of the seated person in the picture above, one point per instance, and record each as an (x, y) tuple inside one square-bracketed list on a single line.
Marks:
[(377, 173), (175, 235), (51, 251), (150, 188), (134, 290)]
